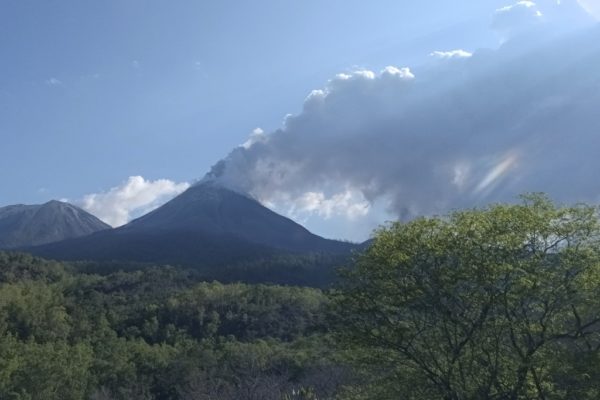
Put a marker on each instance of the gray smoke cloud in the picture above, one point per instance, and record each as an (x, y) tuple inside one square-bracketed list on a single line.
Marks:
[(458, 132)]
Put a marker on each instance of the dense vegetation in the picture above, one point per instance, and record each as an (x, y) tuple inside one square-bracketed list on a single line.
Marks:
[(496, 303), (311, 270), (157, 333), (500, 303)]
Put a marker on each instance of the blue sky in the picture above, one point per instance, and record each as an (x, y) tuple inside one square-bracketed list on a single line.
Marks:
[(93, 93)]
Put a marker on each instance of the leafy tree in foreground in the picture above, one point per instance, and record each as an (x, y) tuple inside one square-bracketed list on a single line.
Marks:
[(495, 303)]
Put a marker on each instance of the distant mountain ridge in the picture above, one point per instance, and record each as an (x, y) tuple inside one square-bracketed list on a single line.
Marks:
[(206, 225), (31, 225)]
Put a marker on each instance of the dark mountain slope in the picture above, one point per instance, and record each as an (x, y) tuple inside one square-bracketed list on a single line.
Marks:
[(187, 248), (31, 225), (214, 210)]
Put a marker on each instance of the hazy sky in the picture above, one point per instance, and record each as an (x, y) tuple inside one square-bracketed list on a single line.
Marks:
[(118, 105)]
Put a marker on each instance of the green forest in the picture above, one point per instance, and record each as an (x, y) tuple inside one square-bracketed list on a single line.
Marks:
[(501, 302)]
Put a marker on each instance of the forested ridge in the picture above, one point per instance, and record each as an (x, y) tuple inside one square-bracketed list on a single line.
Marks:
[(157, 333), (494, 303)]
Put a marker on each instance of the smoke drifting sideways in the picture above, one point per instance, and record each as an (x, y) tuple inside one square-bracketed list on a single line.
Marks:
[(458, 132)]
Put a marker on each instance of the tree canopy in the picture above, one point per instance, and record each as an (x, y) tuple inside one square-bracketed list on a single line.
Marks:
[(158, 333), (495, 303)]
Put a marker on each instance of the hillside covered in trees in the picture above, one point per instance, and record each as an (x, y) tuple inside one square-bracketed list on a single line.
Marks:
[(158, 333)]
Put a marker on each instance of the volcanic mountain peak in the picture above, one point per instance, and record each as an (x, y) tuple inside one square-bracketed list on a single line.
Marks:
[(213, 209)]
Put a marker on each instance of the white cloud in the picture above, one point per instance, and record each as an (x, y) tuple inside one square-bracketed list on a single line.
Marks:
[(459, 53), (402, 73), (524, 4), (134, 197), (258, 135), (448, 136), (350, 204), (516, 19), (363, 73), (53, 82), (558, 17)]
